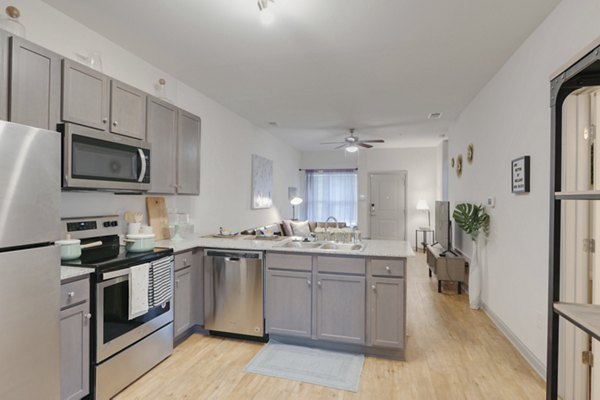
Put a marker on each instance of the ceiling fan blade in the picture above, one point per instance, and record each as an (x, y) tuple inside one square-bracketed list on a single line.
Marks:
[(333, 142), (372, 141), (366, 146), (340, 147)]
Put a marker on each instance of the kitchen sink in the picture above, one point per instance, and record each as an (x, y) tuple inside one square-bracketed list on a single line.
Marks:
[(343, 246), (301, 245), (324, 246)]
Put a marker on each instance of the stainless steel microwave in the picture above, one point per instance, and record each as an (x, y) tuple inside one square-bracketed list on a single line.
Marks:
[(94, 159)]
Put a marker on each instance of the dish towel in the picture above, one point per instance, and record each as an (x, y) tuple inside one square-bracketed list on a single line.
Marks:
[(161, 285), (139, 276)]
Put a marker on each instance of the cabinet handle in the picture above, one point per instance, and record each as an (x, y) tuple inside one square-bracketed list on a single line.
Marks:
[(318, 283), (387, 268), (309, 282), (71, 294), (87, 316), (115, 123), (185, 261), (373, 287), (104, 120), (176, 282)]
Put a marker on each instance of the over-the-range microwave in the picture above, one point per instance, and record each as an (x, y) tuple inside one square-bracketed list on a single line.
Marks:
[(93, 159)]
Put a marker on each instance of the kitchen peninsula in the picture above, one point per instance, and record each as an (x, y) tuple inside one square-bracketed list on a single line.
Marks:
[(315, 295)]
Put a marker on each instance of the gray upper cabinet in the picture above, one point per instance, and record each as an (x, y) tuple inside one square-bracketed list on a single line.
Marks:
[(85, 96), (4, 62), (127, 110), (188, 153), (340, 308), (34, 85), (289, 303), (162, 134), (387, 311), (183, 301)]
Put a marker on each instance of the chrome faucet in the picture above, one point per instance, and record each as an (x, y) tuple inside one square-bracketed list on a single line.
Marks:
[(337, 225)]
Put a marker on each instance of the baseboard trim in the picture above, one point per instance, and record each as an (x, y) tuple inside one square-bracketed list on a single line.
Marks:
[(527, 354)]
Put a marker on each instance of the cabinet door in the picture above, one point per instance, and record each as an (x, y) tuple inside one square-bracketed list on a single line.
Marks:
[(183, 301), (127, 110), (289, 303), (4, 62), (387, 309), (162, 135), (34, 85), (74, 351), (340, 308), (188, 154), (85, 96)]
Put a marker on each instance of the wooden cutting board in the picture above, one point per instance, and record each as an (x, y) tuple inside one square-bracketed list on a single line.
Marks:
[(157, 217)]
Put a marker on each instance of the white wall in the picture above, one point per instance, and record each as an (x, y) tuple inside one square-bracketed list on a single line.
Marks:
[(442, 171), (227, 139), (509, 118), (329, 159)]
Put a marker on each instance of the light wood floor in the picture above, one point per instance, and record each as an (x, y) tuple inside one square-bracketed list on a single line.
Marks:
[(452, 353)]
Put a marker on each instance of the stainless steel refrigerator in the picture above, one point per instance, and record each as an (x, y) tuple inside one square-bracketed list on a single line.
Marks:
[(29, 263)]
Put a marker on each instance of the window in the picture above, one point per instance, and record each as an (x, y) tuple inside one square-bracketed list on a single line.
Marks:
[(332, 193)]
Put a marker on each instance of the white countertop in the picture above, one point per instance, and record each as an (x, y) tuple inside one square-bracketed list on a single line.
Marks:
[(72, 272), (374, 248)]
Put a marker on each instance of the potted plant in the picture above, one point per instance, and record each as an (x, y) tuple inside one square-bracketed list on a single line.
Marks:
[(473, 219)]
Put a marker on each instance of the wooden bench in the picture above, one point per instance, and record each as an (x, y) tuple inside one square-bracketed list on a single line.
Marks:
[(446, 266)]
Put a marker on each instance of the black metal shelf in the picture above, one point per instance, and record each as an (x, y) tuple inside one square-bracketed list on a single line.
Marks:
[(585, 316)]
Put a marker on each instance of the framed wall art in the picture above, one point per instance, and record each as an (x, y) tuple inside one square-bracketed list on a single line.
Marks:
[(262, 182), (520, 175)]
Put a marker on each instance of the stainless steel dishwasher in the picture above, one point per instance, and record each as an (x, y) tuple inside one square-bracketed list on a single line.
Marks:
[(233, 292)]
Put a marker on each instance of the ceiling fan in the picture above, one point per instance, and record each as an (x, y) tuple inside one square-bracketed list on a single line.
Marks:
[(352, 142)]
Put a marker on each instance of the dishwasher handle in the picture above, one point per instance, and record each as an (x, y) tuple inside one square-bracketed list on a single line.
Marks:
[(234, 259), (233, 255)]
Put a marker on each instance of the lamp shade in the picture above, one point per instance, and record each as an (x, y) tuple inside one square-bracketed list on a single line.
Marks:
[(422, 205), (296, 201)]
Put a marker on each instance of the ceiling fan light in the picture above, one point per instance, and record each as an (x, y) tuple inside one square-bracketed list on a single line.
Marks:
[(352, 148)]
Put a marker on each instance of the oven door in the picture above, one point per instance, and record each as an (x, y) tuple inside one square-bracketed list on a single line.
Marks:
[(99, 160), (114, 330)]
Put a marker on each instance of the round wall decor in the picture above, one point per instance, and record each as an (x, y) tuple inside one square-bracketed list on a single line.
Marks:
[(470, 153), (459, 165), (452, 162)]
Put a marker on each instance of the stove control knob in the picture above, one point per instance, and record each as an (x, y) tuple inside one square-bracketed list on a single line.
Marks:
[(114, 223), (106, 224)]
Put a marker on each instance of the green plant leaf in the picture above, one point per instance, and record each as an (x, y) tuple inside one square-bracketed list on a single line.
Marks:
[(472, 219)]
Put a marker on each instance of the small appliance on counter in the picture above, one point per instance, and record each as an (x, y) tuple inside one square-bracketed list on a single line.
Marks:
[(124, 346)]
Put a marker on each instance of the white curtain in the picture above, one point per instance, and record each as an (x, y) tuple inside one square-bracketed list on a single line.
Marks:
[(332, 193)]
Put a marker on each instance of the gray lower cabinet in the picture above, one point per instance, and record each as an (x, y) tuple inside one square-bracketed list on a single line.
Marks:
[(75, 343), (340, 308), (34, 98), (183, 301), (127, 110), (188, 153), (161, 132), (85, 95), (188, 293), (289, 303), (387, 311)]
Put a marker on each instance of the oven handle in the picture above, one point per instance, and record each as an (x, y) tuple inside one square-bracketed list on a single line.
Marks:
[(115, 274), (143, 171)]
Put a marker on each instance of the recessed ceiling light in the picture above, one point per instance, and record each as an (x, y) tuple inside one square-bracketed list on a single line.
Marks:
[(266, 16), (273, 123), (435, 115)]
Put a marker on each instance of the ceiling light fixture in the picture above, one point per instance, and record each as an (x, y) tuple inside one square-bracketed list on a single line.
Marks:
[(266, 16), (352, 148)]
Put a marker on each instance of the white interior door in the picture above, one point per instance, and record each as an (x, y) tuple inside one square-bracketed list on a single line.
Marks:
[(387, 207)]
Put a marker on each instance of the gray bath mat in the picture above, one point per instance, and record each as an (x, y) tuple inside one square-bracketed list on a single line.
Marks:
[(320, 367)]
